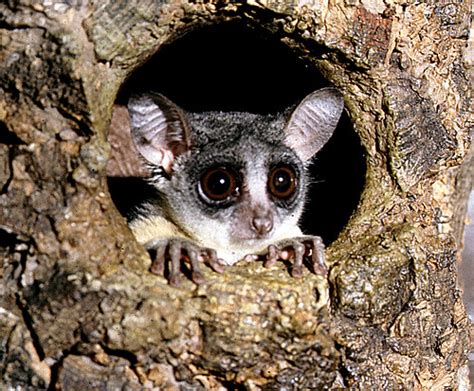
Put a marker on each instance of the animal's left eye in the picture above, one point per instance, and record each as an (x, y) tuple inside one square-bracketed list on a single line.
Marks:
[(219, 184), (282, 181)]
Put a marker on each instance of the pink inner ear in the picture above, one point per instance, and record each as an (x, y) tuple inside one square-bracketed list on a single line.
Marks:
[(167, 160), (159, 129)]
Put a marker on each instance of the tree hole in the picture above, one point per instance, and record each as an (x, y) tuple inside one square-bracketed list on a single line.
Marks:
[(232, 67)]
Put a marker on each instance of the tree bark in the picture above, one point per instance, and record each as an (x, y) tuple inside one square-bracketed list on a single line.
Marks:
[(78, 307)]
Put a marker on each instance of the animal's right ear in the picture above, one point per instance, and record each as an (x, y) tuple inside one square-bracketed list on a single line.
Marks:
[(160, 130)]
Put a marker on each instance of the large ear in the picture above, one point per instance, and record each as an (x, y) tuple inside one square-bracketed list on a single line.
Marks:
[(160, 130), (313, 122)]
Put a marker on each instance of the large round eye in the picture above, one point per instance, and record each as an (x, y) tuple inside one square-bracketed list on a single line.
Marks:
[(219, 184), (282, 181)]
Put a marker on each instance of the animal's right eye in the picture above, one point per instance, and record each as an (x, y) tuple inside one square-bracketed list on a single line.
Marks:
[(219, 184)]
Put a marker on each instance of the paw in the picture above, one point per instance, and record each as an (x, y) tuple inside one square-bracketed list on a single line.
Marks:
[(298, 250), (169, 256)]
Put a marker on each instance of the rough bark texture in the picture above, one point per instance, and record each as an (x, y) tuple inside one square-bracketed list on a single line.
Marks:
[(79, 309)]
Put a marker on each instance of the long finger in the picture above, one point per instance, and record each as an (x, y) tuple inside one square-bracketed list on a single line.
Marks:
[(272, 256), (318, 257), (158, 263), (196, 274), (175, 258), (299, 251)]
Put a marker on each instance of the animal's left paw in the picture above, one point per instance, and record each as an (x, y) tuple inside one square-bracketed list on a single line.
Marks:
[(298, 250)]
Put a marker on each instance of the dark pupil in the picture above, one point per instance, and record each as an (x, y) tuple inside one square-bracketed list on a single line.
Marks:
[(218, 183), (283, 181)]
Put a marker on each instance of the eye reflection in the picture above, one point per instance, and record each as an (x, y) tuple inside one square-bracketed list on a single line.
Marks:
[(282, 181)]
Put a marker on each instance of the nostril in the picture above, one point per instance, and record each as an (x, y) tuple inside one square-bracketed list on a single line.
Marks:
[(262, 225)]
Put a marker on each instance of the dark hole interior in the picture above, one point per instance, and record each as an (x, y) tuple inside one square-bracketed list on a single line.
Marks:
[(231, 67), (8, 137)]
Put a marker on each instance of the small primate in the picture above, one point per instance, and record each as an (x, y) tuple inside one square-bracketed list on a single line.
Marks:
[(229, 185)]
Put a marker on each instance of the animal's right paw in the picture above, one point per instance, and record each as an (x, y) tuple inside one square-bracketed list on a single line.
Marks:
[(169, 257)]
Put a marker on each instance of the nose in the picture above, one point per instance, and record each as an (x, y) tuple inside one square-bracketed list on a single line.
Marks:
[(262, 225)]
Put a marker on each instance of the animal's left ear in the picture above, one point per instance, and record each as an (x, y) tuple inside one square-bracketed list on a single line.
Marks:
[(313, 122)]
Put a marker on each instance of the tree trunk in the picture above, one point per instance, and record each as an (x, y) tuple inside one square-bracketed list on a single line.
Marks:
[(79, 309)]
